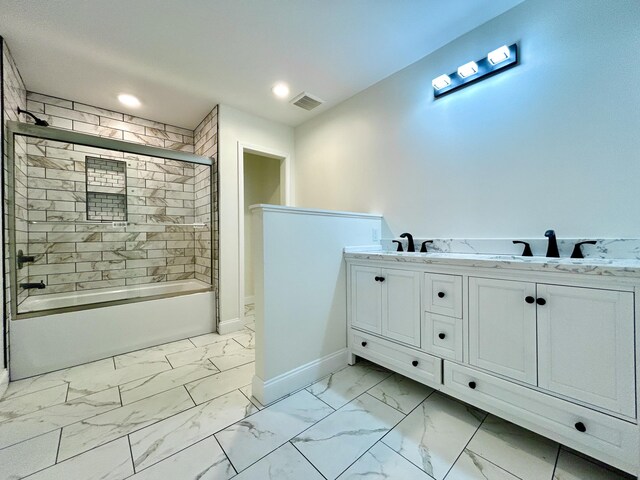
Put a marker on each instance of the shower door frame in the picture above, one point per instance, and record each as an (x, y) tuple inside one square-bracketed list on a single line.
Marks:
[(56, 134)]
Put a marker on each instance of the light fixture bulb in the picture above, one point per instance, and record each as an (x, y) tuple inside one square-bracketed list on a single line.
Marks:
[(129, 100), (468, 69), (280, 90), (499, 55), (440, 82)]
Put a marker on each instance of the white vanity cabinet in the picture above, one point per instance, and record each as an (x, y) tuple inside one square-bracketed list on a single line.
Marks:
[(502, 327), (553, 350), (586, 346), (386, 301)]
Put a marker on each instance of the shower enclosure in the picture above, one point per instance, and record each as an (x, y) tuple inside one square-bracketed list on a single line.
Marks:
[(96, 222)]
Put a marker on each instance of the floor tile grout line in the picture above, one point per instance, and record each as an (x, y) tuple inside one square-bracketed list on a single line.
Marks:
[(133, 465), (309, 461), (189, 393), (466, 445), (223, 452), (58, 449), (380, 439), (489, 461)]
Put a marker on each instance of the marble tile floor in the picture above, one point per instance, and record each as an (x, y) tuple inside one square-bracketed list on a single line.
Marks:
[(184, 410)]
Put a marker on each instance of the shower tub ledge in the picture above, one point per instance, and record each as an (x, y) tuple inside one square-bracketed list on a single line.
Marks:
[(84, 332)]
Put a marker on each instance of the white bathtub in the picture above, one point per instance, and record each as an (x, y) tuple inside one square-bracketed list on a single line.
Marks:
[(36, 303), (52, 341)]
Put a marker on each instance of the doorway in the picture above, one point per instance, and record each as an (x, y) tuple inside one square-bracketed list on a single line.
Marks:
[(264, 181)]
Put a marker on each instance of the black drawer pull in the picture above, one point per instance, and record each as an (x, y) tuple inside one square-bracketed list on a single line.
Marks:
[(581, 427), (414, 363), (472, 385), (541, 301), (441, 336), (529, 299), (364, 344), (377, 279), (440, 294)]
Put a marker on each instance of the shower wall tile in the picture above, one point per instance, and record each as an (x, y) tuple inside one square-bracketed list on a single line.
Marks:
[(50, 186)]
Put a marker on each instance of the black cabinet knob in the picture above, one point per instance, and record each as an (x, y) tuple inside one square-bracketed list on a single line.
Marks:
[(377, 279), (381, 279), (541, 301), (364, 344), (414, 363), (581, 427), (472, 385), (440, 294), (529, 299), (441, 336)]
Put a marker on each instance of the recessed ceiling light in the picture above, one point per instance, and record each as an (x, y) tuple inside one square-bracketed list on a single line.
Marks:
[(129, 100), (280, 90)]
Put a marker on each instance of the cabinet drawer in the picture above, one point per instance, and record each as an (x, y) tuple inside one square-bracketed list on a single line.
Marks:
[(443, 294), (420, 366), (442, 336), (609, 439)]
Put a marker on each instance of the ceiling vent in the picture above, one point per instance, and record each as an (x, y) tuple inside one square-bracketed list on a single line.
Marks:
[(307, 101)]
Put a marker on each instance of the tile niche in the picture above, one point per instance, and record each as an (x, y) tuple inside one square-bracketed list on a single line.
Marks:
[(106, 189)]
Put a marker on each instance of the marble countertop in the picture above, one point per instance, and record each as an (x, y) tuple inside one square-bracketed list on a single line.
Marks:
[(593, 266)]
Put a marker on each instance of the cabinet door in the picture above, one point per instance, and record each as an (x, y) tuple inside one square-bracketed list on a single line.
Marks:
[(366, 298), (401, 306), (502, 327), (586, 345)]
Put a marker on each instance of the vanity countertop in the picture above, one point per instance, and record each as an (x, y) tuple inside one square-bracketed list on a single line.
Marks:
[(595, 266)]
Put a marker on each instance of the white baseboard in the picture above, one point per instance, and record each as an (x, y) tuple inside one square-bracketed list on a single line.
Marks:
[(4, 381), (271, 390), (228, 326)]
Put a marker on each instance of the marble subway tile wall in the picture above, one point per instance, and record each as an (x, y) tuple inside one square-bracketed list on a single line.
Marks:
[(14, 97), (206, 199), (81, 257), (83, 118), (157, 248)]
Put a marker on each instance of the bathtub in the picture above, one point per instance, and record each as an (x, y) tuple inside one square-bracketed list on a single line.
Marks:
[(62, 330), (36, 303)]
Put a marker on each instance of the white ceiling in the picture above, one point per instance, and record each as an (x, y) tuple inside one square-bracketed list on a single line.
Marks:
[(183, 57)]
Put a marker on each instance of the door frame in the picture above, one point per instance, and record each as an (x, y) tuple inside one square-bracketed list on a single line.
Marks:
[(285, 199)]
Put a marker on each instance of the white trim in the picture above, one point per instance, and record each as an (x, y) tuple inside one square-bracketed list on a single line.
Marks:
[(271, 390), (312, 211), (249, 300), (4, 381), (285, 198), (229, 326)]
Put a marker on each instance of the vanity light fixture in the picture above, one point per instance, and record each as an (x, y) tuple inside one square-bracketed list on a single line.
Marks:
[(468, 69), (495, 62), (441, 82), (129, 100), (499, 55)]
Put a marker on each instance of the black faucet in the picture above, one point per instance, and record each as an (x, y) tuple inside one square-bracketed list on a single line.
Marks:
[(27, 286), (423, 248), (399, 245), (577, 250), (410, 246), (552, 248), (527, 248)]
